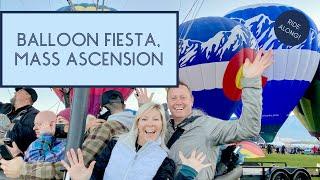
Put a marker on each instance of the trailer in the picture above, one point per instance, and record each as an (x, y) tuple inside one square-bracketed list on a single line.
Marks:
[(277, 171)]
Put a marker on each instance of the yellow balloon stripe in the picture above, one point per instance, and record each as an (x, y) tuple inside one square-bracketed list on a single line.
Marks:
[(238, 77)]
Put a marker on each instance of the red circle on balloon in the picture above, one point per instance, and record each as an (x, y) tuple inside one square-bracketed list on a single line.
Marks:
[(234, 68)]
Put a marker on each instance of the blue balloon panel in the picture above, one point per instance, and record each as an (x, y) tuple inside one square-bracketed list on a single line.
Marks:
[(211, 53), (292, 36)]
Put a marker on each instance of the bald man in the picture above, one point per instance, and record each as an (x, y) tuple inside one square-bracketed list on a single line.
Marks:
[(46, 148)]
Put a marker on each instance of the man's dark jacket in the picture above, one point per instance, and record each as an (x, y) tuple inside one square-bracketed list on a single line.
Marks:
[(22, 132)]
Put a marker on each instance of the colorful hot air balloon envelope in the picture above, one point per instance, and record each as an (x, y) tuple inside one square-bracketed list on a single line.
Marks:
[(211, 53), (86, 7), (250, 150), (94, 96), (293, 37), (308, 109)]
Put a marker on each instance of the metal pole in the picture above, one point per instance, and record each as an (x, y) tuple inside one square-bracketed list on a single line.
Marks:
[(102, 5), (77, 121), (78, 118), (71, 5), (97, 6)]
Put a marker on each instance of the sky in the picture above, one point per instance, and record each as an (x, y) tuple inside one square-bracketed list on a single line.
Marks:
[(202, 8)]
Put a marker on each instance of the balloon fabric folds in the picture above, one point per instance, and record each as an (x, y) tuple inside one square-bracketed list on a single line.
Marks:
[(250, 149), (211, 53), (308, 112), (293, 37), (308, 109), (94, 96)]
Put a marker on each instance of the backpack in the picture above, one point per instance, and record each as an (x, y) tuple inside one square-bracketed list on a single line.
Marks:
[(228, 160)]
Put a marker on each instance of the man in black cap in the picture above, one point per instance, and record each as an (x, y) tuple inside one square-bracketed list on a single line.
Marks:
[(21, 114), (112, 102)]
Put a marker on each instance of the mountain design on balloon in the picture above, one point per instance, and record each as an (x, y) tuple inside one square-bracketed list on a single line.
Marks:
[(319, 39), (221, 47), (262, 28)]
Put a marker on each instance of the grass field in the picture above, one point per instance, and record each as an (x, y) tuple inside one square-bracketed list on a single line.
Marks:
[(297, 160)]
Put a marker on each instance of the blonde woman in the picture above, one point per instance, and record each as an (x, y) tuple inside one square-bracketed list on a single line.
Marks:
[(139, 154)]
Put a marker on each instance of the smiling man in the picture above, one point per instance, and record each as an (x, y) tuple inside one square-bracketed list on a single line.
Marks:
[(191, 129), (206, 133)]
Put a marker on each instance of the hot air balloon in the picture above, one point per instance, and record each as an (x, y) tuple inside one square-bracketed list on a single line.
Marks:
[(250, 149), (94, 96), (85, 7), (308, 109), (211, 53), (293, 37)]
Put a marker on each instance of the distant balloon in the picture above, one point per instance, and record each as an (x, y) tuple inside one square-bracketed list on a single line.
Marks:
[(94, 96), (211, 53), (293, 37), (86, 7), (250, 150)]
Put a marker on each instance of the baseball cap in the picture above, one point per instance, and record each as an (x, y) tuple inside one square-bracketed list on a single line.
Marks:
[(111, 96), (30, 91)]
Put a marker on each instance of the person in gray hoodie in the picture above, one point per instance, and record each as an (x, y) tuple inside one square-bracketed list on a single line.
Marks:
[(205, 133)]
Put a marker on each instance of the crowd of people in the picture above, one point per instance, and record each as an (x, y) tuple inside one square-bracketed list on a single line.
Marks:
[(291, 149), (184, 146)]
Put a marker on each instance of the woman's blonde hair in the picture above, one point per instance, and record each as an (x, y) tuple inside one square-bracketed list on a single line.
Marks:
[(133, 133)]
